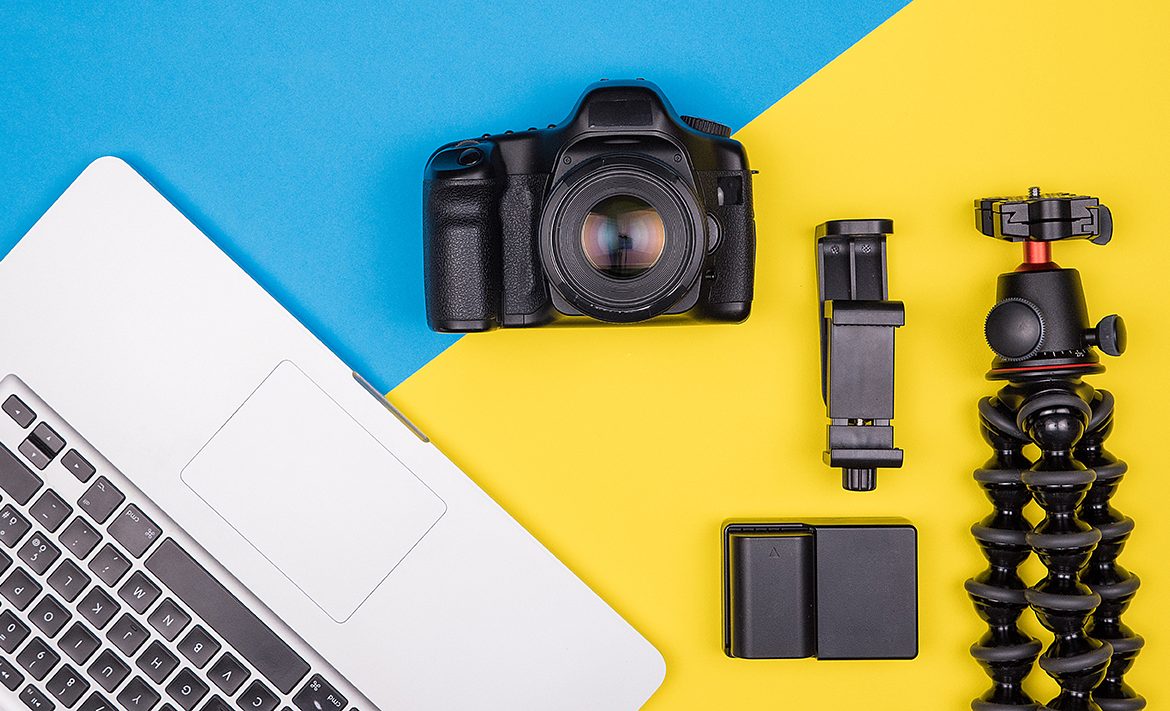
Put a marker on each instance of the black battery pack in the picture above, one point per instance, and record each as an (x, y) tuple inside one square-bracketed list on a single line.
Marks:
[(826, 589)]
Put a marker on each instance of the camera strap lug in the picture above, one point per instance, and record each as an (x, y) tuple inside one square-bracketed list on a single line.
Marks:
[(857, 348)]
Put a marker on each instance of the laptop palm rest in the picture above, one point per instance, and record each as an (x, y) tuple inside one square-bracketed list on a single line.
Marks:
[(313, 491)]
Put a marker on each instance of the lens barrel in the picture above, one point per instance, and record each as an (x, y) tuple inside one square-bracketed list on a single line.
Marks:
[(622, 238)]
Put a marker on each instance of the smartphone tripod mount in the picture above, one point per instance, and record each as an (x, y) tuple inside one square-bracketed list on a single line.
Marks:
[(857, 349)]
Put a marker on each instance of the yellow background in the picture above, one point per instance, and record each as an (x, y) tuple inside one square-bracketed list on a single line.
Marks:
[(624, 449)]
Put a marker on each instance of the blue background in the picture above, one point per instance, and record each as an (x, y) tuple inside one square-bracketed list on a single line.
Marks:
[(295, 135)]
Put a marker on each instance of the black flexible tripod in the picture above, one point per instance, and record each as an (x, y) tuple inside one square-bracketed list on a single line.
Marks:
[(1039, 330)]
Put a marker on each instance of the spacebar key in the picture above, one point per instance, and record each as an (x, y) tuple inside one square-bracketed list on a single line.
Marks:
[(238, 625)]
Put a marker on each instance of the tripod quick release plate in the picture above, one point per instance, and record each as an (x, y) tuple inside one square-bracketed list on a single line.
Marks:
[(857, 348), (1044, 218)]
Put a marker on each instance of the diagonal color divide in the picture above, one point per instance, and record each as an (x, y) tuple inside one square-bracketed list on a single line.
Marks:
[(295, 134)]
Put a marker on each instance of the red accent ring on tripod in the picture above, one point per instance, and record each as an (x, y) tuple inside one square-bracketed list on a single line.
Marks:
[(1041, 368)]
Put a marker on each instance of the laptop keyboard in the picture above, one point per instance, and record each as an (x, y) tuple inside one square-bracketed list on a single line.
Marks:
[(102, 609)]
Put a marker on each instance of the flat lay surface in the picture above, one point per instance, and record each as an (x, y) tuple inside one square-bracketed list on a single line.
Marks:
[(295, 138), (626, 449)]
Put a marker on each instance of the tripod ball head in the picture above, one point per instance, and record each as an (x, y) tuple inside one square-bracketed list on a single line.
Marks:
[(1040, 322)]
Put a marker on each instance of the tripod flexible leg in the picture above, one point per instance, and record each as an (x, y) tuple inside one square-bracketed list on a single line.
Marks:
[(1055, 414), (1116, 585), (1005, 652)]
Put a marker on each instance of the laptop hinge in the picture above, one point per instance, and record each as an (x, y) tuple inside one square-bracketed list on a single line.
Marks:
[(393, 410)]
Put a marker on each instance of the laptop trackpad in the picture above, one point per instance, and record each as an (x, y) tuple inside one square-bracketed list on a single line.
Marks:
[(313, 491)]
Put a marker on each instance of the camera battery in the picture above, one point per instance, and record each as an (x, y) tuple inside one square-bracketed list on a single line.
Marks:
[(830, 590)]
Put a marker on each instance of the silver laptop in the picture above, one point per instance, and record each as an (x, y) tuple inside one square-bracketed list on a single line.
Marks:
[(202, 508)]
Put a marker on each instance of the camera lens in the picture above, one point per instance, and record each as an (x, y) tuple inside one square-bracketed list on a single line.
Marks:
[(623, 236)]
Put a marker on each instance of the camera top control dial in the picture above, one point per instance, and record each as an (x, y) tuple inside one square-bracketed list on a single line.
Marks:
[(707, 126)]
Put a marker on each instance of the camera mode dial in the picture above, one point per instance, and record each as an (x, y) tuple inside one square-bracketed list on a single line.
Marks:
[(707, 126)]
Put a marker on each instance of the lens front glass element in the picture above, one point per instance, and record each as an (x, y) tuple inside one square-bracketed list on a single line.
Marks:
[(623, 236)]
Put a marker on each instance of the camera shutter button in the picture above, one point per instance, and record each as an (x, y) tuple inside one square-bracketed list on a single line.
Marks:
[(470, 157)]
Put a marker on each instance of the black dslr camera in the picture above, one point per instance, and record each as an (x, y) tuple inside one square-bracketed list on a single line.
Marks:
[(623, 212)]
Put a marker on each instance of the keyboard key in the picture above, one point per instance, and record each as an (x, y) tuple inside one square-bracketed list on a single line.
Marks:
[(78, 465), (80, 537), (37, 658), (169, 619), (228, 674), (224, 613), (78, 643), (47, 439), (100, 500), (97, 607), (96, 702), (68, 580), (50, 510), (39, 552), (35, 700), (157, 662), (139, 593), (49, 616), (198, 647), (138, 696), (109, 565), (10, 676), (67, 685), (257, 698), (319, 695), (34, 454), (108, 670), (216, 703), (13, 526), (127, 635), (134, 530), (186, 689), (17, 479), (19, 589), (12, 631), (5, 561), (19, 412)]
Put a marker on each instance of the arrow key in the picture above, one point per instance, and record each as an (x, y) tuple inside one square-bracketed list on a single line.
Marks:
[(18, 411)]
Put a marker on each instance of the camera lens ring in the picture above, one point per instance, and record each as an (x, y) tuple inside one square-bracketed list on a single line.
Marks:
[(579, 270), (630, 298)]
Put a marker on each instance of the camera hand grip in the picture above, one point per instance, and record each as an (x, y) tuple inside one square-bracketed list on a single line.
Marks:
[(461, 253)]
